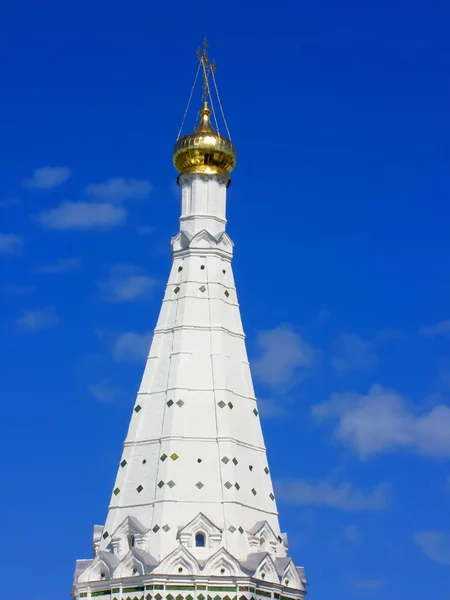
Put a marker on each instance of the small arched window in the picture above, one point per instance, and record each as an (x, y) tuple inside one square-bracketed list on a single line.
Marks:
[(200, 540), (131, 541)]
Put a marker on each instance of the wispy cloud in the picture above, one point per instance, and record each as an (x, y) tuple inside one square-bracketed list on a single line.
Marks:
[(364, 584), (131, 346), (283, 356), (16, 289), (442, 328), (353, 352), (37, 319), (118, 189), (353, 534), (46, 178), (10, 243), (126, 282), (60, 266), (383, 420), (342, 496), (106, 392), (7, 202), (272, 409), (435, 545), (82, 215)]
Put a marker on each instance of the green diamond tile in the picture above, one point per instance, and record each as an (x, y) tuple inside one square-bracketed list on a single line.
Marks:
[(228, 485), (160, 484), (158, 597), (156, 528), (202, 267), (148, 597), (254, 491), (237, 486), (116, 491), (202, 289), (105, 535), (169, 403), (199, 484), (230, 405), (240, 530), (221, 404), (180, 269), (177, 289), (137, 408), (272, 497), (227, 293), (201, 597), (139, 488), (189, 597), (250, 467), (266, 470), (235, 460), (169, 597), (174, 456), (255, 412), (165, 528), (179, 597), (225, 459), (163, 457), (171, 484), (144, 460), (123, 463), (223, 271)]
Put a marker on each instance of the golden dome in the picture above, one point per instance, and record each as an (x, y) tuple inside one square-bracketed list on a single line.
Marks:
[(204, 150)]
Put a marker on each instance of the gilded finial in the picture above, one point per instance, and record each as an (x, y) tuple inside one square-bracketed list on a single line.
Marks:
[(205, 150)]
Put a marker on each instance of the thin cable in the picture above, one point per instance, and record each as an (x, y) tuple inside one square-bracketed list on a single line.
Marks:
[(189, 102), (220, 104), (207, 92)]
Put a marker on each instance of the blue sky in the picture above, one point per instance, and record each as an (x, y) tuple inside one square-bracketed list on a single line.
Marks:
[(339, 214)]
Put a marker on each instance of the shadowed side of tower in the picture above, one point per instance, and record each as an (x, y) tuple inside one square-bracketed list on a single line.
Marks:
[(192, 512)]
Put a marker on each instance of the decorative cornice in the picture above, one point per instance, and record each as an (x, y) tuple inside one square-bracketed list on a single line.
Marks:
[(189, 178)]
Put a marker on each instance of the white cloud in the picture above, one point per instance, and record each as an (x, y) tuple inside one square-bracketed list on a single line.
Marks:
[(283, 356), (46, 178), (125, 283), (60, 266), (343, 496), (105, 392), (132, 346), (383, 420), (435, 545), (442, 328), (352, 352), (10, 243), (118, 189), (82, 215), (352, 534), (37, 319)]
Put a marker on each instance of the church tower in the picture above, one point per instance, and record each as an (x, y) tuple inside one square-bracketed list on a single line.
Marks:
[(192, 514)]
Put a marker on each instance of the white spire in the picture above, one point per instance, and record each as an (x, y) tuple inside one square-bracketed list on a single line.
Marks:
[(193, 507)]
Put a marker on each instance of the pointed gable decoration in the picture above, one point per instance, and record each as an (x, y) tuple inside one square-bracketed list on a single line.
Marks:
[(101, 567), (262, 537), (222, 563), (200, 525), (136, 562), (178, 562)]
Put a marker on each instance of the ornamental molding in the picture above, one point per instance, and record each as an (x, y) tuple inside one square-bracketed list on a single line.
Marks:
[(190, 178)]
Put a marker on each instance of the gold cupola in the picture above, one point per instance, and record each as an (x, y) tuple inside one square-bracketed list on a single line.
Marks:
[(205, 150)]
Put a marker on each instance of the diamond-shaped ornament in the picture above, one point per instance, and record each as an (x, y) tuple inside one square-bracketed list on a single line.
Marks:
[(199, 484), (180, 403)]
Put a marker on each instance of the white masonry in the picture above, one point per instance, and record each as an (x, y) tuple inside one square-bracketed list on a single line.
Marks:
[(192, 512)]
